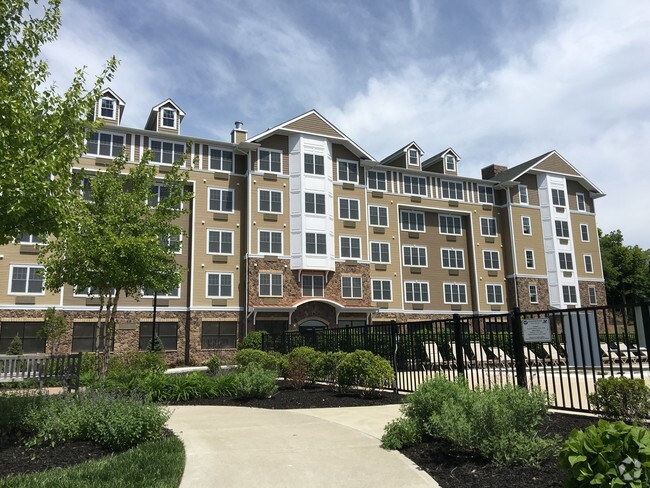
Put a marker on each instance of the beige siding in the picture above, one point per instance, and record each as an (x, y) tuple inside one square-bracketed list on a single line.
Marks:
[(555, 164), (313, 124), (534, 241), (265, 221), (279, 143), (581, 248), (341, 226), (574, 187)]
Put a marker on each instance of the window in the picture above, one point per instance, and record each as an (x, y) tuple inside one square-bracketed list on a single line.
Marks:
[(220, 242), (562, 229), (485, 194), (381, 290), (530, 258), (313, 285), (450, 224), (107, 109), (348, 209), (569, 294), (83, 336), (351, 287), (149, 293), (168, 118), (584, 232), (566, 260), (314, 164), (494, 294), (221, 160), (270, 201), (172, 242), (27, 280), (593, 299), (453, 259), (414, 157), (415, 185), (455, 293), (218, 335), (87, 190), (348, 171), (415, 256), (380, 252), (270, 242), (28, 333), (491, 259), (523, 194), (315, 243), (104, 144), (377, 180), (580, 201), (270, 161), (159, 193), (417, 292), (219, 285), (315, 203), (559, 199), (450, 163), (166, 152), (526, 228), (270, 285), (166, 331), (488, 226), (29, 239), (378, 216), (532, 294), (452, 190), (589, 265), (350, 247), (412, 221), (220, 200)]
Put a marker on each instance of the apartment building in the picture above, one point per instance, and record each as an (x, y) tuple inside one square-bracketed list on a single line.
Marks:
[(298, 227)]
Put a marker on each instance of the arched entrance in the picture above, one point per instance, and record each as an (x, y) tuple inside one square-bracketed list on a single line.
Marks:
[(314, 314), (312, 324)]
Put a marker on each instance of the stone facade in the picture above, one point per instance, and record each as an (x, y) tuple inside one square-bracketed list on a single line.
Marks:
[(601, 294), (523, 294)]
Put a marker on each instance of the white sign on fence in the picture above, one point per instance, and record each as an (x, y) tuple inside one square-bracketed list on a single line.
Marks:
[(536, 330)]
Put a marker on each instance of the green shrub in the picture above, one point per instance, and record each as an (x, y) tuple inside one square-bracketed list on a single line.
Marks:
[(14, 408), (364, 370), (126, 371), (327, 365), (182, 387), (157, 345), (252, 341), (268, 361), (401, 433), (15, 347), (303, 365), (254, 381), (621, 399), (214, 365), (609, 454), (430, 396), (88, 373)]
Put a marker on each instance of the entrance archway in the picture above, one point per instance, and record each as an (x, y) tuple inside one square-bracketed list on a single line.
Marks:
[(314, 314)]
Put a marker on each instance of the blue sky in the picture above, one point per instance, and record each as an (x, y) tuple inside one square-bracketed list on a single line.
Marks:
[(500, 81)]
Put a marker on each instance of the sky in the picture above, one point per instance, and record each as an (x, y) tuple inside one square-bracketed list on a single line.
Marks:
[(499, 81)]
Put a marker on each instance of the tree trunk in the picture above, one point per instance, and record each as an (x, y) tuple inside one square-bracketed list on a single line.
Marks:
[(100, 333), (109, 330)]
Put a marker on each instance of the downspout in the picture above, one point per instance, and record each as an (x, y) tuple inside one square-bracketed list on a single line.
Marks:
[(512, 246)]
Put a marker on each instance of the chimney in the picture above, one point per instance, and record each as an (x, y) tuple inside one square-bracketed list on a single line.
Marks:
[(238, 134), (491, 171)]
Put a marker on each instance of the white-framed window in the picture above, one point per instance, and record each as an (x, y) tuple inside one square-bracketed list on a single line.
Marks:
[(415, 185), (491, 260), (526, 227), (270, 284), (351, 287), (566, 261), (485, 194), (380, 252), (532, 294), (530, 258), (270, 242), (523, 194), (270, 161), (558, 197), (218, 285), (414, 157), (270, 201), (494, 294), (315, 203), (450, 163), (381, 290), (348, 171), (455, 292), (172, 242), (488, 226), (453, 258), (104, 144), (378, 216), (350, 247), (412, 221), (86, 189), (28, 239), (169, 118), (313, 285), (315, 243), (348, 209), (452, 190), (569, 294), (593, 299), (416, 291), (26, 280), (584, 232), (163, 152), (220, 241), (221, 200), (159, 193), (580, 201), (149, 293), (376, 180), (314, 164), (107, 108), (589, 265), (414, 256), (220, 160), (562, 229), (450, 224), (86, 292)]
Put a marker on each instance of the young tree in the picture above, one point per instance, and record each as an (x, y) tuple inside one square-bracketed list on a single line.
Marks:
[(16, 346), (626, 269), (116, 243), (42, 131), (54, 328)]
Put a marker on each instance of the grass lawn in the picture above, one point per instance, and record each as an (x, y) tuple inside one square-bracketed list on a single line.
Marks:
[(152, 464)]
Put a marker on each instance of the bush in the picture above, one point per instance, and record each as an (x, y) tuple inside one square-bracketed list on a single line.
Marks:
[(621, 399), (401, 433), (14, 407), (252, 341), (303, 365), (182, 387), (268, 361), (157, 345), (365, 370), (214, 365), (254, 382), (125, 371), (609, 454), (15, 347), (328, 363)]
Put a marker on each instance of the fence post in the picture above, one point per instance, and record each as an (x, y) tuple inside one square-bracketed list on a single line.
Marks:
[(458, 339), (395, 336), (645, 316), (518, 345)]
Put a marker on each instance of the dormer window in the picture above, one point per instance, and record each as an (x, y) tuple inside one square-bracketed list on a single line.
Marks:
[(107, 109), (414, 157), (450, 163), (169, 118)]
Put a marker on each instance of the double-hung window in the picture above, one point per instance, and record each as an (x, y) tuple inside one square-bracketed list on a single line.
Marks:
[(348, 171), (491, 259), (315, 203), (559, 199), (494, 294), (26, 280), (105, 144), (569, 294), (523, 194), (566, 261), (376, 180), (351, 247), (452, 190), (171, 293), (488, 226), (530, 258), (169, 118), (313, 285), (580, 201), (314, 164), (415, 256), (417, 291), (218, 335), (593, 299), (584, 232), (316, 243), (526, 227), (219, 285), (29, 239), (455, 292), (485, 194), (378, 216), (107, 108), (415, 185), (381, 290), (450, 163), (166, 152), (220, 241), (412, 221), (270, 285), (450, 224), (380, 252), (167, 332), (351, 287), (270, 201), (589, 265), (532, 294), (221, 160), (159, 193), (348, 209), (172, 242), (414, 157), (453, 258), (270, 242), (270, 161), (562, 229), (220, 200)]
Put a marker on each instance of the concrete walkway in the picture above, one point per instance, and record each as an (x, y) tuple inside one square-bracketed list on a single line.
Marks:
[(249, 447)]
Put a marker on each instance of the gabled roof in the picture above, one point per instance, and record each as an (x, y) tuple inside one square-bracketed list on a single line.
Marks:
[(440, 156), (151, 121), (400, 151), (312, 122), (120, 102)]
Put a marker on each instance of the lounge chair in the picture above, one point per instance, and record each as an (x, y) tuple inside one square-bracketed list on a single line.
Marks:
[(630, 353), (531, 358), (500, 356), (480, 358), (435, 358), (552, 355), (608, 354), (468, 361)]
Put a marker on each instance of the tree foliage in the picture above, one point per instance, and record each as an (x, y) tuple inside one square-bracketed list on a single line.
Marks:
[(42, 130), (626, 269), (54, 328)]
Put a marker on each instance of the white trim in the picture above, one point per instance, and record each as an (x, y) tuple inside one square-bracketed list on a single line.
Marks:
[(270, 211), (595, 300), (271, 232), (411, 247), (536, 293), (207, 283), (338, 169), (372, 290), (591, 261), (584, 202), (487, 295), (259, 160), (487, 187), (448, 216), (380, 243), (446, 163), (29, 267), (498, 258), (163, 141), (530, 226), (209, 161), (220, 231), (115, 105), (449, 184), (271, 273), (455, 250), (585, 226), (358, 219), (351, 277), (378, 172), (525, 188), (417, 157), (420, 284), (232, 191), (496, 229), (532, 252), (162, 118), (315, 234), (414, 177), (319, 275), (378, 216), (315, 193), (341, 247), (444, 297)]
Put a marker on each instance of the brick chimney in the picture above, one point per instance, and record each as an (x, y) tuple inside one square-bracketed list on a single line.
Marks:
[(238, 134), (491, 171)]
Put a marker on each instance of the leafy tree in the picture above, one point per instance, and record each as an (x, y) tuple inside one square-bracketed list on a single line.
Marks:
[(42, 131), (115, 243), (16, 346), (626, 269), (54, 328)]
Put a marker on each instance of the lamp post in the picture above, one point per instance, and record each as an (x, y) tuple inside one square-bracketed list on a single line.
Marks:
[(153, 328)]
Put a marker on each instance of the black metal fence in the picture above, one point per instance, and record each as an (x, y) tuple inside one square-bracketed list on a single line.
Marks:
[(563, 352)]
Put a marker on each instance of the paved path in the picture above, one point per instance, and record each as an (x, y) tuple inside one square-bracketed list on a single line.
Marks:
[(248, 447)]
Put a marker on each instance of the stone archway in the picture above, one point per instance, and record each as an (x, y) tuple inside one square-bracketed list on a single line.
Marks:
[(314, 311)]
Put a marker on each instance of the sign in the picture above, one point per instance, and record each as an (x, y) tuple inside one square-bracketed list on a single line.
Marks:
[(536, 330)]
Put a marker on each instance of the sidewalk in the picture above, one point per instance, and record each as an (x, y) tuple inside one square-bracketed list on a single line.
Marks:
[(249, 447)]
